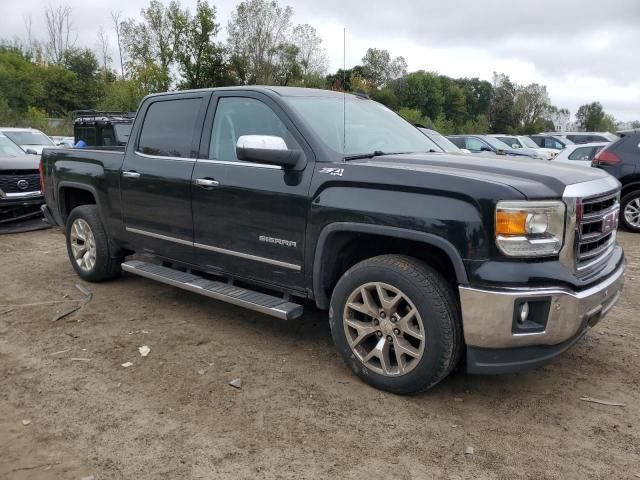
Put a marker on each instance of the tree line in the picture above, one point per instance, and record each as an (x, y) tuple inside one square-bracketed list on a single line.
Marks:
[(171, 48)]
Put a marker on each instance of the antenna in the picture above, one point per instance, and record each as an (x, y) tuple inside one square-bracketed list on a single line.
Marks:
[(344, 92)]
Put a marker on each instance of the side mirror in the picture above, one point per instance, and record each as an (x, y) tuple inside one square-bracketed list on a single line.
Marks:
[(500, 152), (266, 149), (31, 151)]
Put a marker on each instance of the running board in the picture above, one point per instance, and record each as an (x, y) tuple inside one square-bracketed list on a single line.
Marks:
[(260, 302)]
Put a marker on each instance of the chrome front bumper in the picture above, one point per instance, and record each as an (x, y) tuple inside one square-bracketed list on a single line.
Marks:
[(487, 315)]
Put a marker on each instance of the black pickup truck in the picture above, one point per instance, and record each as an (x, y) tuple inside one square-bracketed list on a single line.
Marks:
[(273, 198)]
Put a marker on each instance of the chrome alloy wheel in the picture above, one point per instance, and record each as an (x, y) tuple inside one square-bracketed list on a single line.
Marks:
[(384, 329), (632, 212), (83, 244)]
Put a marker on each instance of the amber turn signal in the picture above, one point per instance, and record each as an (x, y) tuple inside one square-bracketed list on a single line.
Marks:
[(511, 223)]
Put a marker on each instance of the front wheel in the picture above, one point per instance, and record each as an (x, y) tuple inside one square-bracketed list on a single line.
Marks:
[(630, 217), (395, 321), (88, 245)]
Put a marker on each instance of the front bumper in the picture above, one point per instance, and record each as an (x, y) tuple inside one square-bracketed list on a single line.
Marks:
[(496, 345)]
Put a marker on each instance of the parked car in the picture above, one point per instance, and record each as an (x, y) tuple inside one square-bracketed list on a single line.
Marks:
[(586, 137), (581, 154), (441, 141), (66, 142), (485, 143), (551, 141), (20, 196), (102, 129), (28, 139), (522, 141), (622, 160), (257, 197)]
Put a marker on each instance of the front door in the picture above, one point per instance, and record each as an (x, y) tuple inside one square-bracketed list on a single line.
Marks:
[(156, 176), (249, 218)]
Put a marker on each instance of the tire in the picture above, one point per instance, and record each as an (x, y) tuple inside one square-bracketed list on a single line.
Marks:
[(88, 245), (630, 211), (437, 317)]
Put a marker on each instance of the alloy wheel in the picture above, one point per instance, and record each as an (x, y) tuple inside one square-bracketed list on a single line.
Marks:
[(83, 244), (632, 212), (384, 329)]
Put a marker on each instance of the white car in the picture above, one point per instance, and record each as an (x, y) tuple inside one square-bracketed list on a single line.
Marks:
[(580, 154), (28, 139), (521, 141), (65, 142)]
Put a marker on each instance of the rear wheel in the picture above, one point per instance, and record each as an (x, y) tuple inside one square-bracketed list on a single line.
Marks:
[(88, 245), (395, 322), (630, 206)]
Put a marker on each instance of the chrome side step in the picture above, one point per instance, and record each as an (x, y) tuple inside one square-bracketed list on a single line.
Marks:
[(260, 302)]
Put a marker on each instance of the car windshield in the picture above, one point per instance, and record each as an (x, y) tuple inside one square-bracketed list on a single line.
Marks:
[(443, 142), (370, 126), (495, 143), (528, 142), (30, 138), (8, 148)]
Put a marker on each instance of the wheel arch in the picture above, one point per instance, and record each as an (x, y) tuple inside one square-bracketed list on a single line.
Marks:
[(336, 240), (74, 194)]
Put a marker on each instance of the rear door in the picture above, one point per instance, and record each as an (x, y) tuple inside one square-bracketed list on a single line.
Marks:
[(250, 218), (155, 181)]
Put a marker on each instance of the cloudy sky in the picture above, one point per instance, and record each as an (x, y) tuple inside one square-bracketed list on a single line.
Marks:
[(583, 50)]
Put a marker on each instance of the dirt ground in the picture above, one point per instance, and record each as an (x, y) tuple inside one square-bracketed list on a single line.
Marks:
[(300, 414)]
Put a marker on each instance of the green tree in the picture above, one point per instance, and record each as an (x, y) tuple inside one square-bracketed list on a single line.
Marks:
[(415, 117), (502, 115), (380, 68), (200, 59), (591, 117), (257, 30), (422, 90)]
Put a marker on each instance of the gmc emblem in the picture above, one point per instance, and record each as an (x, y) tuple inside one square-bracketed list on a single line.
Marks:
[(610, 221)]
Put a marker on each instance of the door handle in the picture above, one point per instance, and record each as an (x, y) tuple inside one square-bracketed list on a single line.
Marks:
[(207, 183), (131, 174)]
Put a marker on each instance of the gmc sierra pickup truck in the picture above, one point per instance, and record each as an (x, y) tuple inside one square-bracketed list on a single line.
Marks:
[(272, 198)]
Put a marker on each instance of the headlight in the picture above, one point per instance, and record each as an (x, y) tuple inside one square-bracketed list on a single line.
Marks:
[(530, 229)]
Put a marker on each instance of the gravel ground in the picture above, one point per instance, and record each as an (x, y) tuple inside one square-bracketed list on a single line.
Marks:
[(68, 409)]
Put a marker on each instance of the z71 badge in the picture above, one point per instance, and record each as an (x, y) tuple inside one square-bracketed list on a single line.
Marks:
[(337, 172)]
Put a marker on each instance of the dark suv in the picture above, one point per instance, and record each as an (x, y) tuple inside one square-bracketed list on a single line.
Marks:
[(622, 160)]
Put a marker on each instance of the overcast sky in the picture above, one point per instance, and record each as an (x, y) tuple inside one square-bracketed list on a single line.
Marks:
[(583, 50)]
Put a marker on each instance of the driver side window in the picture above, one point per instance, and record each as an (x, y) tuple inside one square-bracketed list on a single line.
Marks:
[(238, 116), (473, 144)]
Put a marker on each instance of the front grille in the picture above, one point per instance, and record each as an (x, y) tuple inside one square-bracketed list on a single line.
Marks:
[(9, 182), (596, 231)]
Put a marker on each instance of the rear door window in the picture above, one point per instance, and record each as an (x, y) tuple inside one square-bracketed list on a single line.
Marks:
[(169, 127), (582, 153), (474, 145)]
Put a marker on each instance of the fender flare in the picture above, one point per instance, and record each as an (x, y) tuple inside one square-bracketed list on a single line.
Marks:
[(322, 301), (80, 186)]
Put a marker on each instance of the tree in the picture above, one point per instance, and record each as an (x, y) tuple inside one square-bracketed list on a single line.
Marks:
[(560, 117), (635, 124), (103, 48), (60, 36), (591, 117), (200, 59), (531, 107), (502, 112), (151, 45), (380, 68), (115, 18), (257, 30), (312, 57)]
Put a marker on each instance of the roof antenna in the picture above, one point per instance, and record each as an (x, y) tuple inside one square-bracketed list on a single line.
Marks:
[(344, 92)]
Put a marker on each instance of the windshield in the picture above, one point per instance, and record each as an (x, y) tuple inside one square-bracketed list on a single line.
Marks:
[(370, 126), (122, 131), (443, 142), (30, 138), (495, 143), (8, 148), (528, 142)]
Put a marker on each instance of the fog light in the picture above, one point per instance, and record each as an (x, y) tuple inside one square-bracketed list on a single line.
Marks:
[(524, 312)]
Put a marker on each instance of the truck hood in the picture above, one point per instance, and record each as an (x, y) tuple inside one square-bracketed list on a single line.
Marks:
[(22, 162), (535, 179)]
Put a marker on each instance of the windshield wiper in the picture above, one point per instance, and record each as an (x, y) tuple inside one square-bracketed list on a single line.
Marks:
[(376, 153)]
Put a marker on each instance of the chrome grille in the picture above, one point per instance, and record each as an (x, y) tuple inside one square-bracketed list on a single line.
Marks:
[(9, 182), (596, 231)]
